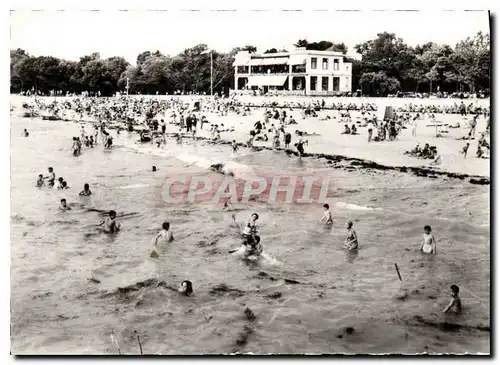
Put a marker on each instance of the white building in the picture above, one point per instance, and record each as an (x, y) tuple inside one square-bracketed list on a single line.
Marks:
[(299, 72)]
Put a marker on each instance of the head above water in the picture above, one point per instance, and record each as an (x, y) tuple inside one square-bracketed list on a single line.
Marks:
[(255, 216), (86, 187), (326, 206), (154, 168), (349, 225), (112, 214), (63, 201), (454, 289), (60, 179), (166, 226), (64, 184), (427, 229), (50, 169), (186, 288)]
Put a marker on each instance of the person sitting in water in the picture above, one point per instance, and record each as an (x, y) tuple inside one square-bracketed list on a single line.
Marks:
[(429, 242), (60, 186), (25, 133), (455, 304), (109, 223), (351, 240), (327, 215), (252, 246), (86, 190), (353, 129), (40, 182), (186, 288), (346, 129), (64, 185), (165, 234), (64, 206)]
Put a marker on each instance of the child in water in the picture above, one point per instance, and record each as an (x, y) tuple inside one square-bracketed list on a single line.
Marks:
[(252, 246), (86, 190), (234, 146), (165, 234), (351, 240), (455, 303), (186, 288), (51, 178), (60, 186), (110, 225), (64, 206), (327, 215), (429, 242), (40, 182)]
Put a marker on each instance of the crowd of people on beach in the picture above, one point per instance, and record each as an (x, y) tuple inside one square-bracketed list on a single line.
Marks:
[(147, 115)]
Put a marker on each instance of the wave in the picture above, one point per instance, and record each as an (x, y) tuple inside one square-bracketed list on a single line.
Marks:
[(354, 206), (133, 186)]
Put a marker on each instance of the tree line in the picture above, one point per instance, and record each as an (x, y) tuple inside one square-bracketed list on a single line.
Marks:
[(386, 66)]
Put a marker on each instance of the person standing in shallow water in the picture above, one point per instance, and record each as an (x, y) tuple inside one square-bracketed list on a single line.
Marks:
[(429, 242), (351, 240)]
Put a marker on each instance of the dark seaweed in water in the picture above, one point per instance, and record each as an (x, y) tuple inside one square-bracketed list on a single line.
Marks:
[(223, 289)]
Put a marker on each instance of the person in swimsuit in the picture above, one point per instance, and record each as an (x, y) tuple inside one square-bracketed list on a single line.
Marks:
[(40, 182), (165, 234), (63, 207), (86, 190), (110, 225), (252, 246), (455, 305), (51, 178), (429, 242), (250, 226), (351, 240), (327, 215)]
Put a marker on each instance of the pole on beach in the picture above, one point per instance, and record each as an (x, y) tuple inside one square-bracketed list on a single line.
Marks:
[(211, 73), (139, 341), (397, 270)]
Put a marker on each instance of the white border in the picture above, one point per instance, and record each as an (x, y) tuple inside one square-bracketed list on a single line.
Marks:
[(185, 4)]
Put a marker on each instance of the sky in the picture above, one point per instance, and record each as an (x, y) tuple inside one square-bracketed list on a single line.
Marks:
[(74, 33)]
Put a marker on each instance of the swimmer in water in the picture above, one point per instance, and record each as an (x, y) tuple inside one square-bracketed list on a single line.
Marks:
[(40, 182), (86, 191), (429, 242), (186, 288), (64, 185), (60, 186), (25, 133), (234, 146), (327, 215), (455, 305), (63, 207), (110, 225), (51, 178), (154, 168), (165, 234), (252, 246), (351, 240)]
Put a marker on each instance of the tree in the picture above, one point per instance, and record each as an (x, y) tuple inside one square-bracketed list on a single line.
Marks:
[(378, 84), (272, 50), (250, 48)]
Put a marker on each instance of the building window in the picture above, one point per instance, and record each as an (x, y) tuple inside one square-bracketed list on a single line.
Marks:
[(336, 64), (324, 83), (325, 63), (314, 63), (314, 82), (336, 84), (242, 69)]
